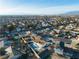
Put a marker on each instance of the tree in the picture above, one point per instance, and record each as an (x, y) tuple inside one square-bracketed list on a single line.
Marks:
[(61, 44), (77, 46), (2, 51), (11, 27), (24, 56)]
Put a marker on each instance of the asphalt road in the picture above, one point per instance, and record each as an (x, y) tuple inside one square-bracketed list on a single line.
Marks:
[(55, 56)]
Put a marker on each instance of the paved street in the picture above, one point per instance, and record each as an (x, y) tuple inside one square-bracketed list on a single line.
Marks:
[(55, 56)]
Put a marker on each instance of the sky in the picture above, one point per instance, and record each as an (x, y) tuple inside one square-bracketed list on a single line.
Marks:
[(37, 7)]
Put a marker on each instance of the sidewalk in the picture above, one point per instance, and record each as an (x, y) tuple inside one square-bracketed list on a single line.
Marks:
[(4, 57)]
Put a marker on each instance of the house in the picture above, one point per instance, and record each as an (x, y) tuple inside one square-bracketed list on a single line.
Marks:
[(72, 53), (1, 43), (58, 51), (35, 46), (47, 38)]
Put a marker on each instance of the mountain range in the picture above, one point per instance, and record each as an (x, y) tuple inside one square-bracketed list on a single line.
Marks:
[(71, 13)]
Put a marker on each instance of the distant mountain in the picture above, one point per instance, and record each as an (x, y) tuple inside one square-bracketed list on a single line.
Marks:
[(72, 13)]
